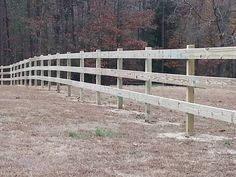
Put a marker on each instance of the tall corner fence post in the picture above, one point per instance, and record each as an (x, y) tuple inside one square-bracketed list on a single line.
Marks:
[(69, 74), (81, 74), (25, 73), (58, 73), (30, 71), (148, 85), (35, 72), (41, 70), (1, 75), (49, 72), (120, 100), (190, 70)]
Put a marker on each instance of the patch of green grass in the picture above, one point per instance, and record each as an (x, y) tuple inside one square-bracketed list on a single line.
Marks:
[(80, 135), (101, 132), (228, 142), (74, 135)]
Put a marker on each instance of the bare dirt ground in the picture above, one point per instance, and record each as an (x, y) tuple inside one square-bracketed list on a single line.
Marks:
[(47, 134)]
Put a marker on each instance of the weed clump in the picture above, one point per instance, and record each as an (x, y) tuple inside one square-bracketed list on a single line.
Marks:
[(100, 132), (74, 135)]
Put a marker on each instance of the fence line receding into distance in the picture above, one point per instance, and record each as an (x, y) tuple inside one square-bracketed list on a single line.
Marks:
[(32, 72)]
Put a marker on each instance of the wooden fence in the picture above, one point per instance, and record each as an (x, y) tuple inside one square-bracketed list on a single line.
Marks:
[(32, 72)]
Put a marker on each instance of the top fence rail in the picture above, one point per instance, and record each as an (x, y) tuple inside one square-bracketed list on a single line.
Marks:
[(167, 54)]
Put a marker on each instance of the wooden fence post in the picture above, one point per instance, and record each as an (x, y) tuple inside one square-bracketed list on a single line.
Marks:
[(190, 70), (11, 75), (49, 73), (35, 72), (16, 69), (69, 74), (58, 74), (119, 81), (148, 85), (30, 71), (20, 74), (42, 71), (25, 73), (1, 75), (98, 79), (81, 74), (17, 75)]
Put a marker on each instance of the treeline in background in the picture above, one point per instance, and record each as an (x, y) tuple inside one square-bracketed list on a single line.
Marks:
[(39, 27)]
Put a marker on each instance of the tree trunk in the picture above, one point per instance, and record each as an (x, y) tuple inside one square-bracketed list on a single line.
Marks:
[(30, 35), (9, 56), (73, 25), (1, 33)]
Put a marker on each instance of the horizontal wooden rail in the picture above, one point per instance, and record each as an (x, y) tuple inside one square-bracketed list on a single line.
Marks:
[(5, 67), (192, 108), (5, 73), (6, 79), (195, 53), (174, 79)]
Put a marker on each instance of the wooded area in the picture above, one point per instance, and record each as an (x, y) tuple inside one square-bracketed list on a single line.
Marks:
[(37, 27)]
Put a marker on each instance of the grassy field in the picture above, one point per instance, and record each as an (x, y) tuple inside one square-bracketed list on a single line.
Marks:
[(47, 134)]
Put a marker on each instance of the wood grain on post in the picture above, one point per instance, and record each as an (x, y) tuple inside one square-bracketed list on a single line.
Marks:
[(69, 75), (81, 74), (120, 101), (42, 71), (58, 74), (148, 85), (190, 70), (98, 79)]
